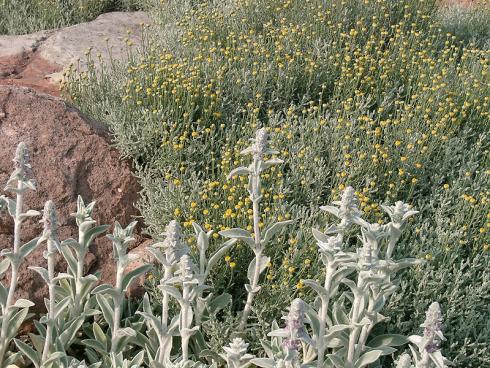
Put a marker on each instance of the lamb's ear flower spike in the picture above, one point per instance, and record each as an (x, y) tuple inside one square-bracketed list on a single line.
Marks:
[(236, 354), (257, 242), (399, 215), (346, 210), (433, 328), (429, 343), (13, 313)]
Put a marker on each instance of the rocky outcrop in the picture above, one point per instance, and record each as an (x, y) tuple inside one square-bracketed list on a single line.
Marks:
[(70, 155), (39, 59)]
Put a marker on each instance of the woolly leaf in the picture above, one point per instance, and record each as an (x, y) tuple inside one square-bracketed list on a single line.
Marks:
[(133, 274), (274, 229), (368, 358), (238, 234), (23, 303), (238, 171), (263, 362), (263, 262), (28, 247), (106, 308), (218, 255), (388, 340), (4, 266), (29, 352)]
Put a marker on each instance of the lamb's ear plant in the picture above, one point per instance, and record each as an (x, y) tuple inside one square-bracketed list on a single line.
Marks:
[(51, 336), (14, 313), (258, 241), (210, 304), (173, 256), (189, 284), (344, 335), (111, 298), (426, 349), (167, 253), (290, 346), (75, 253)]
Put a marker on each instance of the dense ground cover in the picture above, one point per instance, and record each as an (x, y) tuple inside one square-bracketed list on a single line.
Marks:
[(27, 16), (372, 94)]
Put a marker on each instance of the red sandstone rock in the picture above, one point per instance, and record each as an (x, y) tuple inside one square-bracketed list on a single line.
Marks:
[(70, 155)]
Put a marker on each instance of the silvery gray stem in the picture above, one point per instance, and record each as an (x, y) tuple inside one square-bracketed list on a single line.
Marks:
[(50, 227), (255, 197)]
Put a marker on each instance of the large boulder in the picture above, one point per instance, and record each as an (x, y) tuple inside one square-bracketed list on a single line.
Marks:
[(39, 60), (70, 156)]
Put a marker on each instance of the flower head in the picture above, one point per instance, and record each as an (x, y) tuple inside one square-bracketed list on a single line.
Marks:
[(186, 266), (21, 160), (173, 247), (369, 253), (346, 210), (260, 146), (432, 328), (236, 353), (399, 213), (236, 348), (50, 221), (333, 244)]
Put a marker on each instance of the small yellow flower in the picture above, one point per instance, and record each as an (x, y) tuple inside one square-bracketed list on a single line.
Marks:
[(227, 258), (232, 264)]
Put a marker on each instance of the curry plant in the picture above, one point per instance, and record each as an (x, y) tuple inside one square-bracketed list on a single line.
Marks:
[(257, 242), (13, 313)]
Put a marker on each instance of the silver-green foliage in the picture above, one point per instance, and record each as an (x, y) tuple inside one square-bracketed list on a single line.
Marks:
[(257, 241), (335, 331), (14, 313)]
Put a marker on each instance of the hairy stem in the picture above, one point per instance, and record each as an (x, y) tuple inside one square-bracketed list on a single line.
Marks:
[(78, 282), (258, 247), (323, 317), (117, 307), (184, 318), (165, 299), (4, 339), (52, 302)]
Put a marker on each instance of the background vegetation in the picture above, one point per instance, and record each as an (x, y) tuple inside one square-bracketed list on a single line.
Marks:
[(27, 16), (390, 97)]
